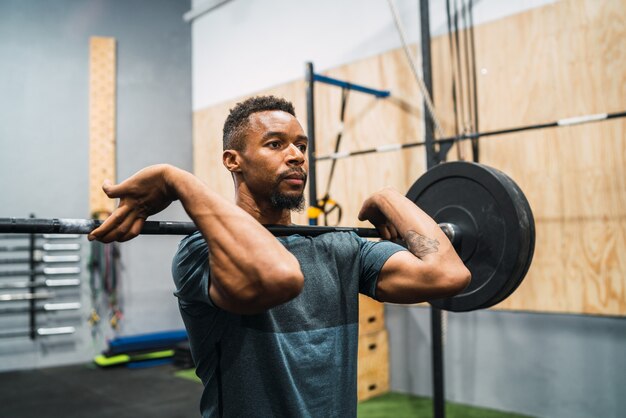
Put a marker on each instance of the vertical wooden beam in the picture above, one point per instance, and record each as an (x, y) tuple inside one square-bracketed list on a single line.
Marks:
[(102, 123)]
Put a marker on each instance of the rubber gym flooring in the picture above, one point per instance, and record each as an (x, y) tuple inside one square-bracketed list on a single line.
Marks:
[(87, 391), (90, 392)]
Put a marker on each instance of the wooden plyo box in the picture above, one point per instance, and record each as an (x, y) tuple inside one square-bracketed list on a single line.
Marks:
[(371, 315), (373, 365), (373, 357)]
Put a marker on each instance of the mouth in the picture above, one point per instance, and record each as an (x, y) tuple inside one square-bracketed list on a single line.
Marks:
[(296, 179)]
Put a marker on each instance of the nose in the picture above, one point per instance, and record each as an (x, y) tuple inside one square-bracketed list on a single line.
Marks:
[(295, 156)]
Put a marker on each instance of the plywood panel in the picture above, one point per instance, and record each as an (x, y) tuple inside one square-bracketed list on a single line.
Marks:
[(561, 60), (371, 122), (565, 59), (102, 76)]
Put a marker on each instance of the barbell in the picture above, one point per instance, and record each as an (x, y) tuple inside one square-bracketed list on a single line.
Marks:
[(481, 210)]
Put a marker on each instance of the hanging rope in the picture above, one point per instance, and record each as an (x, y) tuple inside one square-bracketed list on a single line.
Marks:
[(427, 99), (326, 206), (104, 266)]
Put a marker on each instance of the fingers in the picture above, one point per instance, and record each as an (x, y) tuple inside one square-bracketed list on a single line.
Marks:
[(365, 211), (369, 213), (126, 188), (129, 230), (124, 230), (117, 217), (135, 229), (383, 231), (361, 215), (387, 231), (112, 190), (393, 232)]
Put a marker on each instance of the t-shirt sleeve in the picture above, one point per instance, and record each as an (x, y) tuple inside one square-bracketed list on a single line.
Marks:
[(372, 257), (190, 270)]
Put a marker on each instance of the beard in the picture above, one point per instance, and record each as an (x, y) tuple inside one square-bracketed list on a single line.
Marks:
[(280, 200)]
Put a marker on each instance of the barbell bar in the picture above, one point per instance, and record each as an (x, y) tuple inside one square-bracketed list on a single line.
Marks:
[(40, 258), (47, 307), (45, 283), (481, 210), (42, 332), (46, 271), (45, 247), (577, 120), (12, 297), (85, 226)]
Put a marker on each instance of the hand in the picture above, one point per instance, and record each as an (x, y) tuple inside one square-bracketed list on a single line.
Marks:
[(145, 193), (371, 211)]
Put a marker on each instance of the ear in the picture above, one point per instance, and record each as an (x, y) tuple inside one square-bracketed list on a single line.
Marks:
[(232, 160)]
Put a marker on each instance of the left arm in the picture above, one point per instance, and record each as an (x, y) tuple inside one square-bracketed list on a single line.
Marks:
[(431, 269)]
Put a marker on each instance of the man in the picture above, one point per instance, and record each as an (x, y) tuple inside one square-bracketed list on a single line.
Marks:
[(273, 322)]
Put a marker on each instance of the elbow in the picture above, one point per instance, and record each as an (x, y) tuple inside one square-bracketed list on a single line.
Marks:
[(275, 287), (462, 280), (282, 284), (263, 290), (455, 281)]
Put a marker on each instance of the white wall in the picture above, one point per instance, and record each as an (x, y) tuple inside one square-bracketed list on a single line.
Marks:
[(244, 46)]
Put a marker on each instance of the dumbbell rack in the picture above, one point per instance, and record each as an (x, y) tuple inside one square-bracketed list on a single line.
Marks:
[(24, 259)]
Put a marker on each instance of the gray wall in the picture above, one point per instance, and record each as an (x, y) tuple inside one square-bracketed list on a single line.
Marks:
[(544, 365), (44, 139)]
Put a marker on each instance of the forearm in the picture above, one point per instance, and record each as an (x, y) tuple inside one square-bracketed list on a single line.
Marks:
[(250, 269), (433, 271), (423, 236)]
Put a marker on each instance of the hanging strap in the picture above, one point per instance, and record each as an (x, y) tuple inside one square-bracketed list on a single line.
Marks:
[(327, 206)]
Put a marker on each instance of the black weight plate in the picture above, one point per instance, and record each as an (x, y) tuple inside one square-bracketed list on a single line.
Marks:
[(496, 223), (527, 223)]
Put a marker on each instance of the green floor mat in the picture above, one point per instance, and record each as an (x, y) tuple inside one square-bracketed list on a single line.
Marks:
[(104, 361), (189, 374), (398, 405)]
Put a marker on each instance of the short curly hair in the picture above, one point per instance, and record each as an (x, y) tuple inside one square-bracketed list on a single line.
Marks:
[(236, 123)]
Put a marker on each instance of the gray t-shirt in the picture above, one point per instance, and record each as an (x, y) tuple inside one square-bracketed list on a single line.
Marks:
[(298, 359)]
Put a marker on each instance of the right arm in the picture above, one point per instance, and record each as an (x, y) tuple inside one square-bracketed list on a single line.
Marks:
[(431, 269), (251, 271)]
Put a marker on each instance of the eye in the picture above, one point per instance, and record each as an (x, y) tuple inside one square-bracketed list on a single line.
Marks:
[(302, 147), (274, 144)]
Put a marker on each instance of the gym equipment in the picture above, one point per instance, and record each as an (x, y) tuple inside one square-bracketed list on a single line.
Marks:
[(480, 209)]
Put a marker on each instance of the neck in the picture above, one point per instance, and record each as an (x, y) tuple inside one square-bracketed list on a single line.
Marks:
[(261, 210)]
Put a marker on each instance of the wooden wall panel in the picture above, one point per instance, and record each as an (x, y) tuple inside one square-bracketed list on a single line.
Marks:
[(369, 122), (564, 59)]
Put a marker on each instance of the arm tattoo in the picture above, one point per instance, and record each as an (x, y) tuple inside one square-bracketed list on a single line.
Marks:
[(420, 245)]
